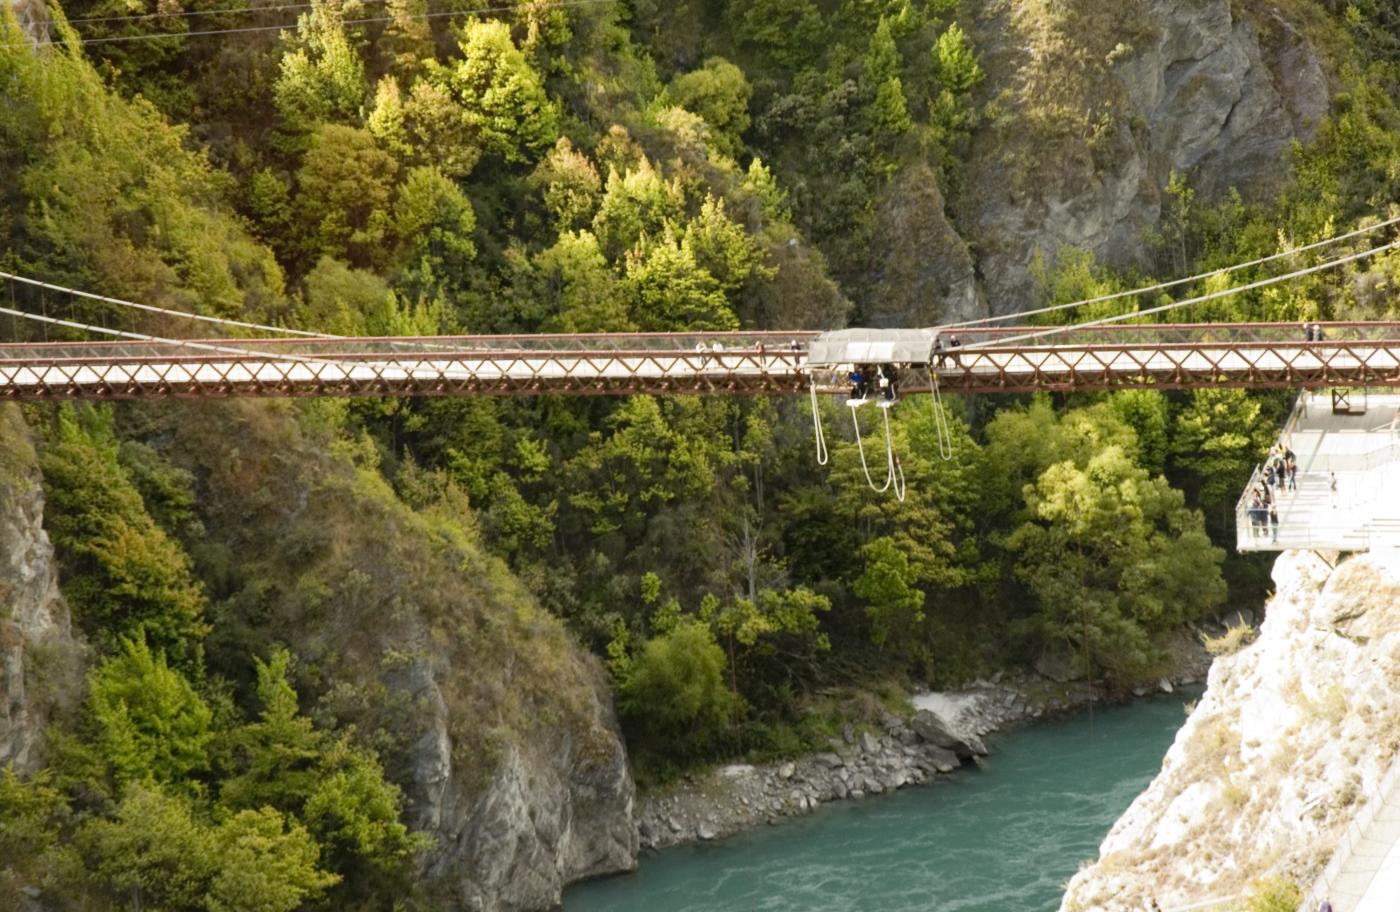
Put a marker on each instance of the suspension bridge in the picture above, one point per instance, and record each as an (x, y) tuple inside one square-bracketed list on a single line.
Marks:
[(988, 360)]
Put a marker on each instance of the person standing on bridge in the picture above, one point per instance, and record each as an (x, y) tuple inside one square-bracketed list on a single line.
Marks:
[(1273, 520), (1290, 465)]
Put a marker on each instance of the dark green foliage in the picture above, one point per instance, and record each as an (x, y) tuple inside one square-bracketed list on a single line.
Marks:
[(123, 574)]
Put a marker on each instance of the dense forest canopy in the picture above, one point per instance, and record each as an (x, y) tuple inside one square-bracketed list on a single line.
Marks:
[(413, 168)]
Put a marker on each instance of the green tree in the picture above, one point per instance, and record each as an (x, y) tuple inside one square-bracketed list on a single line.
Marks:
[(667, 290), (889, 112), (501, 97), (338, 790), (674, 696), (434, 221), (570, 185), (322, 78), (1112, 557), (637, 203), (724, 249), (344, 193), (123, 575), (152, 853), (266, 864), (579, 288), (147, 721), (1217, 440), (719, 93), (893, 603)]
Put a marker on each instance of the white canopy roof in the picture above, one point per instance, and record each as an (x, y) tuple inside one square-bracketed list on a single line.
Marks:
[(872, 346)]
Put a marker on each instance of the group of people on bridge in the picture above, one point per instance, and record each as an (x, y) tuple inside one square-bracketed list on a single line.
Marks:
[(1280, 474), (864, 377)]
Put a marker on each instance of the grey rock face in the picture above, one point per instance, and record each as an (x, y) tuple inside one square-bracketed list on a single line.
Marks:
[(556, 810), (1171, 86), (34, 619), (922, 271), (34, 20)]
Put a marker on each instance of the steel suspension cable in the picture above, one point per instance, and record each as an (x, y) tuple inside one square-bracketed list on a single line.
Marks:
[(1162, 286), (161, 340), (1186, 302), (363, 20), (151, 308)]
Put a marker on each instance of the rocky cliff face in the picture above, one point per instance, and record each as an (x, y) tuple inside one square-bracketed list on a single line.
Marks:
[(1269, 768), (1094, 105), (38, 654), (499, 727)]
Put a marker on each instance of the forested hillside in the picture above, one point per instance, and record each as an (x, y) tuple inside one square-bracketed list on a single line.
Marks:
[(336, 652)]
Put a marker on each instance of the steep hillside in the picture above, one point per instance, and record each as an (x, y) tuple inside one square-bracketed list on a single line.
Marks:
[(499, 727)]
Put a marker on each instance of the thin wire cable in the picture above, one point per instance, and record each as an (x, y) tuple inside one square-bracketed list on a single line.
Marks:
[(1161, 286), (823, 455), (364, 20), (183, 14), (165, 310), (1186, 302), (161, 340)]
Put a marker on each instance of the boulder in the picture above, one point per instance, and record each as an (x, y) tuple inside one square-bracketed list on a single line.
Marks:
[(933, 729)]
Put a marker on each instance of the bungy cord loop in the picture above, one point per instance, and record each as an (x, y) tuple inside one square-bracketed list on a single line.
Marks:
[(822, 454)]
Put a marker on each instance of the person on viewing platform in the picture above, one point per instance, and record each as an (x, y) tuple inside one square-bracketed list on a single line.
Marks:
[(1317, 332), (939, 356), (887, 381), (1273, 520), (1290, 465), (857, 383), (1307, 332), (795, 346)]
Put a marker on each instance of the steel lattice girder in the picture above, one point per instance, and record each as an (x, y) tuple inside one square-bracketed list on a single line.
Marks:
[(437, 368)]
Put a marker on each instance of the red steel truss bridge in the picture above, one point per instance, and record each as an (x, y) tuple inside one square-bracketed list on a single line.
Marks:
[(1007, 359)]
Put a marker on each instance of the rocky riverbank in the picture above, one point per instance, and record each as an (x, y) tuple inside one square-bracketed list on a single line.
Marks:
[(945, 731)]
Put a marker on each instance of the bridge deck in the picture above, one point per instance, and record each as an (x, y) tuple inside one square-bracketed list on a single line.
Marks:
[(1163, 356)]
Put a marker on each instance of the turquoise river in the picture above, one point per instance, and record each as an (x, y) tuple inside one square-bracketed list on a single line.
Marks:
[(1003, 838)]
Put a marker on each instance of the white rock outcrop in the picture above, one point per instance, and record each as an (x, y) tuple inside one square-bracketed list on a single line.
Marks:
[(1291, 734)]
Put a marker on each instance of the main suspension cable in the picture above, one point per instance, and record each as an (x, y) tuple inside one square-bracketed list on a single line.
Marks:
[(166, 311), (1162, 286), (1186, 302), (161, 340)]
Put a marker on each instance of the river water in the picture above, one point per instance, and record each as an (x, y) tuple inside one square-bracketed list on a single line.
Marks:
[(1004, 838)]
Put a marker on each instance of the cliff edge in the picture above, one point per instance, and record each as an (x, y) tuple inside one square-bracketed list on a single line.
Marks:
[(1274, 762)]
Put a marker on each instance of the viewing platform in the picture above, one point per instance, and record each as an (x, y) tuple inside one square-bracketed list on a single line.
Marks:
[(1352, 436)]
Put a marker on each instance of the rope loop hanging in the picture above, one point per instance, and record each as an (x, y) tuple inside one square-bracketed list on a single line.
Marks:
[(893, 466), (822, 454), (940, 418), (860, 446)]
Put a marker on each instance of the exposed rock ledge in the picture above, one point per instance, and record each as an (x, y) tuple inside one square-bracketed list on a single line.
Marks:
[(1272, 765)]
